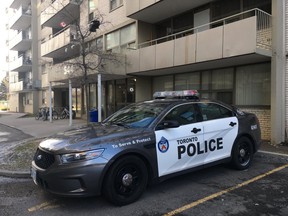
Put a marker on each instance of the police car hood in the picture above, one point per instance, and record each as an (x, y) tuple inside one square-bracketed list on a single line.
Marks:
[(88, 137)]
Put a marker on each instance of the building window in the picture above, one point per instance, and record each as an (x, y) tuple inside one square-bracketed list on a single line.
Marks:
[(99, 43), (253, 84), (187, 81), (222, 79), (92, 6), (120, 40), (115, 4), (163, 83), (218, 84), (248, 85)]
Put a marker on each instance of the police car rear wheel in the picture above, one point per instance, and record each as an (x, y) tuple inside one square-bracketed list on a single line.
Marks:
[(126, 180), (242, 154)]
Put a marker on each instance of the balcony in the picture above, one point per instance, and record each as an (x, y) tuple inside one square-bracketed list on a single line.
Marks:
[(16, 87), (21, 19), (61, 45), (60, 11), (245, 38), (21, 86), (21, 42), (25, 86), (21, 64), (151, 11), (15, 4)]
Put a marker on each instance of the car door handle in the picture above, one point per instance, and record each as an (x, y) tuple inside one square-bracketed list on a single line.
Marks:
[(232, 124), (196, 130)]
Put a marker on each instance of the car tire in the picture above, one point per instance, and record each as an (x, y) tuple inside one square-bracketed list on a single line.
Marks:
[(126, 180), (242, 153)]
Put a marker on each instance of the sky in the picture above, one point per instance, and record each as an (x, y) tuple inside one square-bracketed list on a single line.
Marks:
[(3, 38)]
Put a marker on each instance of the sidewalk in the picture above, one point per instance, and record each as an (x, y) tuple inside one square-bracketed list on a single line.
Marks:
[(38, 129)]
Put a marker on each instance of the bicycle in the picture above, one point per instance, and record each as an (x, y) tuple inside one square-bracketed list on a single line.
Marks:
[(65, 113), (44, 114), (40, 113), (55, 114)]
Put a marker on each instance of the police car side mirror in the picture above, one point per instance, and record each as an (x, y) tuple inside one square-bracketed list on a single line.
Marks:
[(167, 124)]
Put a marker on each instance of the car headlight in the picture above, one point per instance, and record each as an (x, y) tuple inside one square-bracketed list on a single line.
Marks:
[(80, 156)]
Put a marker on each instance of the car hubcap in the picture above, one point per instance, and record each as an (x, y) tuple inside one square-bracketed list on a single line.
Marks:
[(242, 152), (127, 179)]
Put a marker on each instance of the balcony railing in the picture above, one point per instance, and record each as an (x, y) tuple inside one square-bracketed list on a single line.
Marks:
[(21, 64), (21, 19), (25, 85), (264, 33), (64, 10), (15, 87), (21, 42), (239, 35), (17, 3), (55, 45)]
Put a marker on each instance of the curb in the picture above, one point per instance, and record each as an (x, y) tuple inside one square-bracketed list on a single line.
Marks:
[(15, 174)]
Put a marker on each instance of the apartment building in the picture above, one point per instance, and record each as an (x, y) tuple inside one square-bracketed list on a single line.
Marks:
[(227, 49), (222, 48), (24, 82)]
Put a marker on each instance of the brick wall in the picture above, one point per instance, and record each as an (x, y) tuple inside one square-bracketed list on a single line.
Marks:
[(264, 120)]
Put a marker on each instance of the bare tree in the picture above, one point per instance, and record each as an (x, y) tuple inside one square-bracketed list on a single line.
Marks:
[(91, 57)]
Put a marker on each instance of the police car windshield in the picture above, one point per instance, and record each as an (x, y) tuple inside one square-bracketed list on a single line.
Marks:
[(137, 116)]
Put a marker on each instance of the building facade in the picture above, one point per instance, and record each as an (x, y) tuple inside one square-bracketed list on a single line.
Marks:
[(233, 51), (24, 82)]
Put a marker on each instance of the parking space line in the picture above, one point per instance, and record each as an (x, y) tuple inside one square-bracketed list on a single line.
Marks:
[(220, 193), (274, 153)]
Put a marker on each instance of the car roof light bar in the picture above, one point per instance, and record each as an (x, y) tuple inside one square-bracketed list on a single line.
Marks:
[(188, 94)]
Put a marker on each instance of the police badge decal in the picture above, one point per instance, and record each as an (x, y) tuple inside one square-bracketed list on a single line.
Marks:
[(163, 145)]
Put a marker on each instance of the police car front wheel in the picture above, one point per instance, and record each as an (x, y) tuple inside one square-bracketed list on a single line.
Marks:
[(126, 180), (242, 153)]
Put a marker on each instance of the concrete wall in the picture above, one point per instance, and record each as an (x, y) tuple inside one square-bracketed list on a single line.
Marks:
[(134, 6), (14, 102)]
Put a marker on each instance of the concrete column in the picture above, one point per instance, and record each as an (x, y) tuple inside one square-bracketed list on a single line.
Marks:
[(70, 103), (278, 66), (50, 101), (99, 97), (36, 32)]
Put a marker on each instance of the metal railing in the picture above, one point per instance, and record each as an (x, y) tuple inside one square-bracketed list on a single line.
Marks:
[(264, 33)]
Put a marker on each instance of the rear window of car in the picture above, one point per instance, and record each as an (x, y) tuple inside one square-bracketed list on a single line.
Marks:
[(211, 111)]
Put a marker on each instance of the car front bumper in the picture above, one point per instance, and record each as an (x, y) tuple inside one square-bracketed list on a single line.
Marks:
[(74, 180)]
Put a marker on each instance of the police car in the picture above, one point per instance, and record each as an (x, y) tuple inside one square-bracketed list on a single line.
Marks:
[(143, 143)]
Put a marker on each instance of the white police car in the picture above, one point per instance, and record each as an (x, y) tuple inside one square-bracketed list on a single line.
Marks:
[(145, 142)]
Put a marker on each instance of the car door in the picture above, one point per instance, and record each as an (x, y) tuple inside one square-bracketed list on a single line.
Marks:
[(220, 127), (178, 147)]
